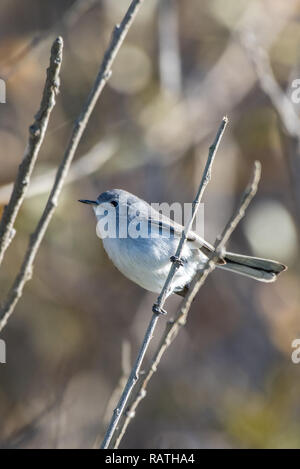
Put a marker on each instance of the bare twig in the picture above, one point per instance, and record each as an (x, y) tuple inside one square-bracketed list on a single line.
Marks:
[(87, 164), (282, 105), (24, 275), (204, 181), (36, 136), (162, 297), (133, 377), (173, 326)]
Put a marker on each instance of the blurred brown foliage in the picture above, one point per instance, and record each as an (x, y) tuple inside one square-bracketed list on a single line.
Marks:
[(233, 383)]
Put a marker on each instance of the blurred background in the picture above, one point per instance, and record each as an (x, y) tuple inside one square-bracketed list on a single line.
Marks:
[(228, 380)]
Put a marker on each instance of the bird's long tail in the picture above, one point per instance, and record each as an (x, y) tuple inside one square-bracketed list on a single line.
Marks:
[(263, 270)]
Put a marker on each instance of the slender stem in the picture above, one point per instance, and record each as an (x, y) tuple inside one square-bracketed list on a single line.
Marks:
[(37, 133), (119, 34), (133, 377), (162, 297), (173, 327), (204, 181)]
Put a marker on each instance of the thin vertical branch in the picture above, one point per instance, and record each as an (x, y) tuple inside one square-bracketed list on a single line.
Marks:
[(119, 34), (203, 184), (134, 375), (174, 326), (37, 133)]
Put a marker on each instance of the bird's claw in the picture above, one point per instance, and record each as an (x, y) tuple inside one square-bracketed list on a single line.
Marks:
[(157, 310), (177, 261)]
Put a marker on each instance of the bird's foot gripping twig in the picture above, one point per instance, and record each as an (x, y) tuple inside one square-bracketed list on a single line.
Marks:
[(177, 261), (157, 310)]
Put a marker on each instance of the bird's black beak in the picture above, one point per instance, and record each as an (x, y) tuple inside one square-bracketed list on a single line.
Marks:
[(91, 202)]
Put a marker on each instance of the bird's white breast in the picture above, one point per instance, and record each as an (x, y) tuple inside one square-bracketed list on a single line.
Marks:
[(147, 261)]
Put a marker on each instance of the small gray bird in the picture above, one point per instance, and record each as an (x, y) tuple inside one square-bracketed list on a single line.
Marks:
[(140, 242)]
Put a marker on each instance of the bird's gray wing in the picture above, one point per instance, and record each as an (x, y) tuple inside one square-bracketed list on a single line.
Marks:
[(167, 226), (195, 241)]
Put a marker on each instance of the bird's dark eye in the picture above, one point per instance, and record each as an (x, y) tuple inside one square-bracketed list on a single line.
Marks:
[(114, 203)]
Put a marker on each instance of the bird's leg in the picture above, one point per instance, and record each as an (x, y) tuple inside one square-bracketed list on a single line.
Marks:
[(177, 261), (157, 310)]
